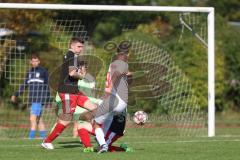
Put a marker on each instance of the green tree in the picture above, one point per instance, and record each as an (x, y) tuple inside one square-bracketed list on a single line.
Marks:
[(22, 21), (226, 8)]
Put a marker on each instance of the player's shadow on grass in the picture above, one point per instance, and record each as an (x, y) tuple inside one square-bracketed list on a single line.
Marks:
[(70, 144)]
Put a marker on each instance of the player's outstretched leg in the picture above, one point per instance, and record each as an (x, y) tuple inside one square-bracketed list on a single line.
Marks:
[(57, 130), (103, 148), (47, 145), (101, 139)]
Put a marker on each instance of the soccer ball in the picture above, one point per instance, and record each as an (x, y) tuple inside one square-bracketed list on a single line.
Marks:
[(140, 117)]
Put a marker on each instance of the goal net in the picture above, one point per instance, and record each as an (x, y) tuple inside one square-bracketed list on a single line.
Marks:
[(168, 58)]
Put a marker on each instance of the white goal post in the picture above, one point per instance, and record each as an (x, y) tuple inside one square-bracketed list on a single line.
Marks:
[(210, 42)]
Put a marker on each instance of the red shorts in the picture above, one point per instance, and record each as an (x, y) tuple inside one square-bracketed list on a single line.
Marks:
[(70, 101)]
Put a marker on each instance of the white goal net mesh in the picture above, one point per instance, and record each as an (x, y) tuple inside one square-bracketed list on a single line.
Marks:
[(169, 73)]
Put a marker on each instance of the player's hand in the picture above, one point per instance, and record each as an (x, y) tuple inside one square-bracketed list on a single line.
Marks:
[(81, 74), (129, 79), (82, 70), (72, 73), (129, 73), (72, 70), (13, 98)]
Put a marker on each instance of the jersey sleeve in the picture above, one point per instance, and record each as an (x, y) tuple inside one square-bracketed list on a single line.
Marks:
[(67, 64), (69, 60), (45, 76)]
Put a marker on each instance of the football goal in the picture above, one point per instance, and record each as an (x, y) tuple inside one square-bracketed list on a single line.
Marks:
[(171, 58)]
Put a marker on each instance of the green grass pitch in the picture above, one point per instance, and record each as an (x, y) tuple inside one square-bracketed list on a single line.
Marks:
[(221, 147)]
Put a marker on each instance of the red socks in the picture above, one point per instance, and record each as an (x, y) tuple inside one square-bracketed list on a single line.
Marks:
[(85, 137), (55, 133), (115, 149)]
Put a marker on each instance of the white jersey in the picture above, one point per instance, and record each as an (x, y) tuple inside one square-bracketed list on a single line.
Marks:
[(121, 86)]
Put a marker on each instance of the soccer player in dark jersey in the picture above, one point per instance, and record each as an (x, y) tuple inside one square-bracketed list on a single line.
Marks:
[(112, 133), (116, 131), (38, 94), (82, 128), (69, 92)]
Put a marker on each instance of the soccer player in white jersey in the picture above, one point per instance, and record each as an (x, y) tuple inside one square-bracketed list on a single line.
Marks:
[(116, 92)]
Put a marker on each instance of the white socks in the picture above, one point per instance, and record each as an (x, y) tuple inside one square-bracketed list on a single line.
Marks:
[(100, 136)]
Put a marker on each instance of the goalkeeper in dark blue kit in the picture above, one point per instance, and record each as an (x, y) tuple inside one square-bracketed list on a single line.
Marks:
[(36, 81)]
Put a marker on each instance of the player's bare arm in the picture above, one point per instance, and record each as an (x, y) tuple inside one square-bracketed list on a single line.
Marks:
[(116, 75)]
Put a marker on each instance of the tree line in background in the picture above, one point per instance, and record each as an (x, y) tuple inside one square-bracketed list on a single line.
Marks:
[(101, 30)]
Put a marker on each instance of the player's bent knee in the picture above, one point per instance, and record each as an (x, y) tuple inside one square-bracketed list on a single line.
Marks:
[(85, 125), (33, 118), (65, 117)]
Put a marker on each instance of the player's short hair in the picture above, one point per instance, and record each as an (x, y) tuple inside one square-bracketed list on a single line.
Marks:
[(122, 51), (123, 47), (34, 56), (76, 39)]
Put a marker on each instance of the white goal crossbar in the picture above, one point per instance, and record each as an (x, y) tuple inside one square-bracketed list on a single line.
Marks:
[(209, 10)]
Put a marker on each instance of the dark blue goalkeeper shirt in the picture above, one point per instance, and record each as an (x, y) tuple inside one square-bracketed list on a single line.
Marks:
[(36, 81)]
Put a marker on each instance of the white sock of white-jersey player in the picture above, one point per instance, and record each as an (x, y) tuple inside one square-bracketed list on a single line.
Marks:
[(100, 136)]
